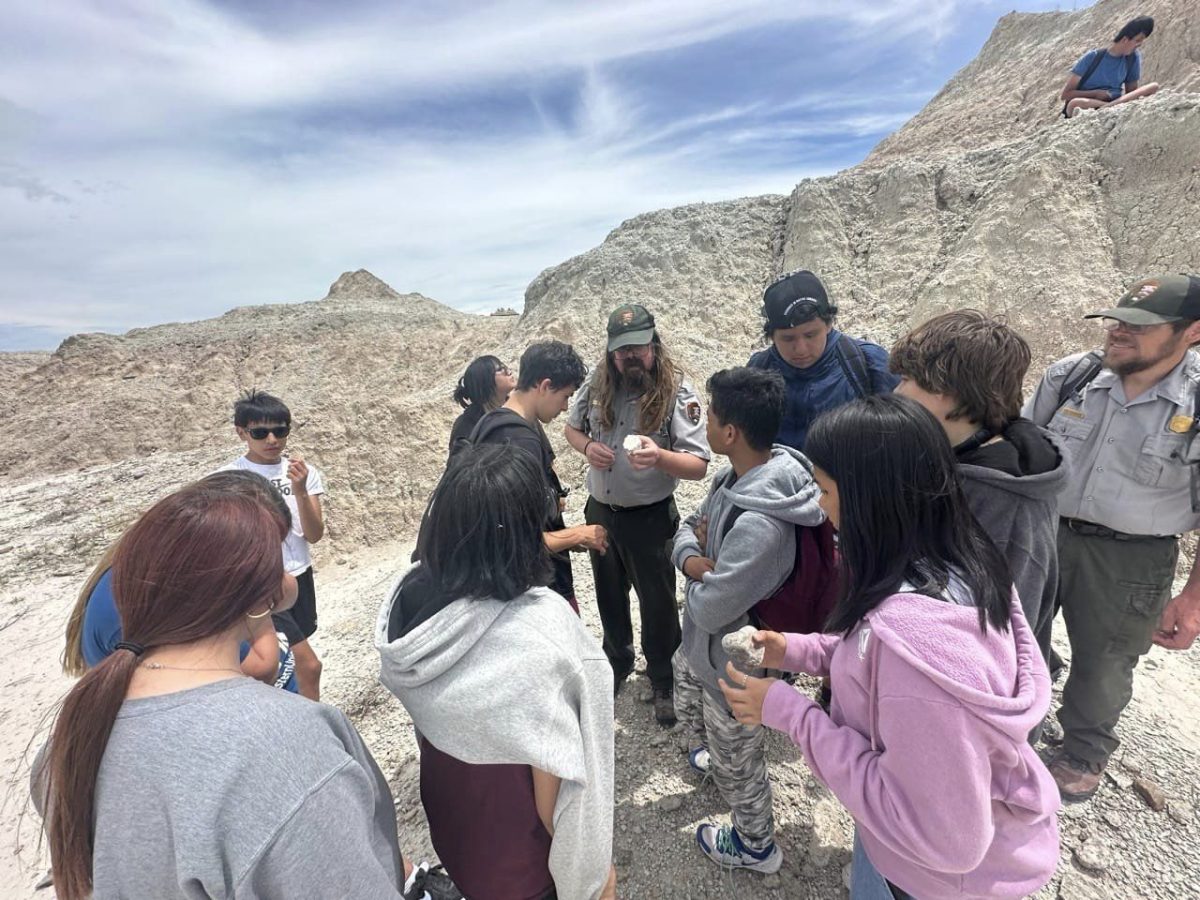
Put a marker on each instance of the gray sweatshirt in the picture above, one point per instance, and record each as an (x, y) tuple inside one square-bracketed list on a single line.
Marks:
[(236, 789), (1019, 511), (752, 560), (522, 683)]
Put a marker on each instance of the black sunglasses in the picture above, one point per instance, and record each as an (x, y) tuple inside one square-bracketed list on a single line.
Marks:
[(280, 431)]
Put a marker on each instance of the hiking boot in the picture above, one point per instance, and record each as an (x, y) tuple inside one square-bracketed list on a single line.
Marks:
[(1077, 779), (723, 845), (698, 760), (430, 883), (664, 706)]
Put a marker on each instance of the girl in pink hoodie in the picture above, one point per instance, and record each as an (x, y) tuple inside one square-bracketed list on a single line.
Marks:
[(937, 679)]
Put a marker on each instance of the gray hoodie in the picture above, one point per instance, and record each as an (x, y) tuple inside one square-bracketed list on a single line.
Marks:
[(521, 683), (752, 560), (1019, 512)]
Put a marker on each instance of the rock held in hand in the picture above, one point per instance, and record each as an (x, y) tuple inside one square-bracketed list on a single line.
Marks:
[(741, 649), (631, 442)]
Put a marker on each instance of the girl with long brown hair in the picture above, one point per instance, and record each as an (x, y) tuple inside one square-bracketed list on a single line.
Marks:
[(169, 773)]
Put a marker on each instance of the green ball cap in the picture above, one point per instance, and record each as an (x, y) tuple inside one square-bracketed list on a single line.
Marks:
[(1156, 301), (629, 326)]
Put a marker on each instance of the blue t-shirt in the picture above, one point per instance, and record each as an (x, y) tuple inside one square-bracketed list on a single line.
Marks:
[(102, 632), (1113, 73)]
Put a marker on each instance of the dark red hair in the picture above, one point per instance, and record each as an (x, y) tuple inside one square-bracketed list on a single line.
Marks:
[(189, 569)]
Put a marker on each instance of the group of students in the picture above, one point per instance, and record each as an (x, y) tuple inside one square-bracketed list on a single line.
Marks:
[(171, 773)]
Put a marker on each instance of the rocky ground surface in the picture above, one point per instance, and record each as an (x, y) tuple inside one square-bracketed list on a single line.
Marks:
[(984, 199), (1138, 838)]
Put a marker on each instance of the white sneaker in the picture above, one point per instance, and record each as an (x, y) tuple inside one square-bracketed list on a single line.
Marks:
[(698, 760), (722, 845)]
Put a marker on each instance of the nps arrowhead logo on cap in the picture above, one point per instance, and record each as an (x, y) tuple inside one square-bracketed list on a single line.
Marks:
[(1156, 301), (629, 326)]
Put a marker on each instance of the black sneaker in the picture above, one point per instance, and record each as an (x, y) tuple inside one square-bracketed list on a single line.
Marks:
[(664, 706), (431, 883)]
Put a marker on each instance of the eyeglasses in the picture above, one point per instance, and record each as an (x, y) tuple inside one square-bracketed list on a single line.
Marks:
[(635, 350), (1118, 325), (280, 431)]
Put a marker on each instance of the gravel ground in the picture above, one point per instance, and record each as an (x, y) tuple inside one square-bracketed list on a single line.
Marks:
[(1115, 846)]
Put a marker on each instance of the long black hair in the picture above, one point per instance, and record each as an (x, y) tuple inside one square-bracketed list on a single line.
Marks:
[(478, 383), (903, 514), (485, 526)]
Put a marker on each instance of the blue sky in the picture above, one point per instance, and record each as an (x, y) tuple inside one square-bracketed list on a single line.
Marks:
[(166, 160)]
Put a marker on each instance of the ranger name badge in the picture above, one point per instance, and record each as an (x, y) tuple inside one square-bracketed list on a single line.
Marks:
[(1181, 424)]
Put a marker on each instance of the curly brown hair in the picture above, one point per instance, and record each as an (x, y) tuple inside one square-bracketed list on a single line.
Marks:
[(655, 404), (977, 359)]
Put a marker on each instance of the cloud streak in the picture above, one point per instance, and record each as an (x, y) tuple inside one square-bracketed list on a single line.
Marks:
[(172, 159)]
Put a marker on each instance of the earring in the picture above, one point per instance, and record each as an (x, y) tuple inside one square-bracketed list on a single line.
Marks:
[(263, 614)]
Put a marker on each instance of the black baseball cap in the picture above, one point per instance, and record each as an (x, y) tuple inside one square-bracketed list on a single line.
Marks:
[(794, 298), (629, 326), (1156, 301)]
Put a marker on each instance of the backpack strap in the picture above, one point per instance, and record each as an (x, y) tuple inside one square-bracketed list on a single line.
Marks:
[(1081, 375), (854, 366), (1088, 73), (1091, 69)]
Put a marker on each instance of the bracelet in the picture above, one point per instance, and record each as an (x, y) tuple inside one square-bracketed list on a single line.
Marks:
[(588, 444)]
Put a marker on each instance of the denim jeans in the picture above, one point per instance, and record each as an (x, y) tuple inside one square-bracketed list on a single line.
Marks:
[(865, 881)]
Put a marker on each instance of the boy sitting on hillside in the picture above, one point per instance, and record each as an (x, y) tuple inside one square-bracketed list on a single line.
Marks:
[(1108, 76), (264, 422), (766, 491)]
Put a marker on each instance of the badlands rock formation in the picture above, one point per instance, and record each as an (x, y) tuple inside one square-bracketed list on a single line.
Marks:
[(984, 199)]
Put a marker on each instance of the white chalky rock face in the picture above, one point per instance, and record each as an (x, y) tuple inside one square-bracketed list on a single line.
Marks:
[(740, 647), (631, 442)]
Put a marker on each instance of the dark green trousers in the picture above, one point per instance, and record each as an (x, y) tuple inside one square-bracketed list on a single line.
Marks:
[(1112, 593), (640, 541)]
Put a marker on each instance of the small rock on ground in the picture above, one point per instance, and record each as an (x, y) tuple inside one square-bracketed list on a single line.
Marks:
[(1181, 812), (1093, 856), (1154, 796)]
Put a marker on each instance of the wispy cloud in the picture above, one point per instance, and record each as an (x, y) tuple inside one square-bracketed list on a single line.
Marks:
[(168, 159)]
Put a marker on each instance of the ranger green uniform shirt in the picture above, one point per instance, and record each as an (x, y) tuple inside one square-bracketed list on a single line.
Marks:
[(1131, 460), (621, 484)]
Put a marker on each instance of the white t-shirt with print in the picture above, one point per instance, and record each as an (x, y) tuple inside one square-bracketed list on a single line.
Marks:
[(296, 557)]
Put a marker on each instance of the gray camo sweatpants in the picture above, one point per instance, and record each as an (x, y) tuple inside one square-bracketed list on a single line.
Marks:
[(737, 755)]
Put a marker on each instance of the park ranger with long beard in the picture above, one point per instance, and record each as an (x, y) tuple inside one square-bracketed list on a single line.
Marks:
[(639, 423)]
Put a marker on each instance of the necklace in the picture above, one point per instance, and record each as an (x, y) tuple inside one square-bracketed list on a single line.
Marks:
[(158, 665)]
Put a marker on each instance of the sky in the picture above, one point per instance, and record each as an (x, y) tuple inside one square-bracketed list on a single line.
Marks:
[(168, 160)]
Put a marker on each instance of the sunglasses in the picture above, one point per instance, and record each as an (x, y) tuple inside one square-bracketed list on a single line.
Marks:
[(280, 431)]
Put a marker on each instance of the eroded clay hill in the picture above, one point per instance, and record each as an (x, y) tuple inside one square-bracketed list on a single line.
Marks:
[(1042, 219)]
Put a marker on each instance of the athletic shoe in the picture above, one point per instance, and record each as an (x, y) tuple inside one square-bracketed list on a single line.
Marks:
[(664, 706), (1077, 779), (698, 760), (722, 845), (430, 883)]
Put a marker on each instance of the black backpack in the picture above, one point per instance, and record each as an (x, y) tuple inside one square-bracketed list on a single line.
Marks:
[(484, 428), (850, 357)]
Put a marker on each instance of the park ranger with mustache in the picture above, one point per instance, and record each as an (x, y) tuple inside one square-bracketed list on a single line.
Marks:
[(1128, 419)]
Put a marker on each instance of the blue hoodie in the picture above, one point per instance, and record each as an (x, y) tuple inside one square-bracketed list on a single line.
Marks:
[(821, 386)]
